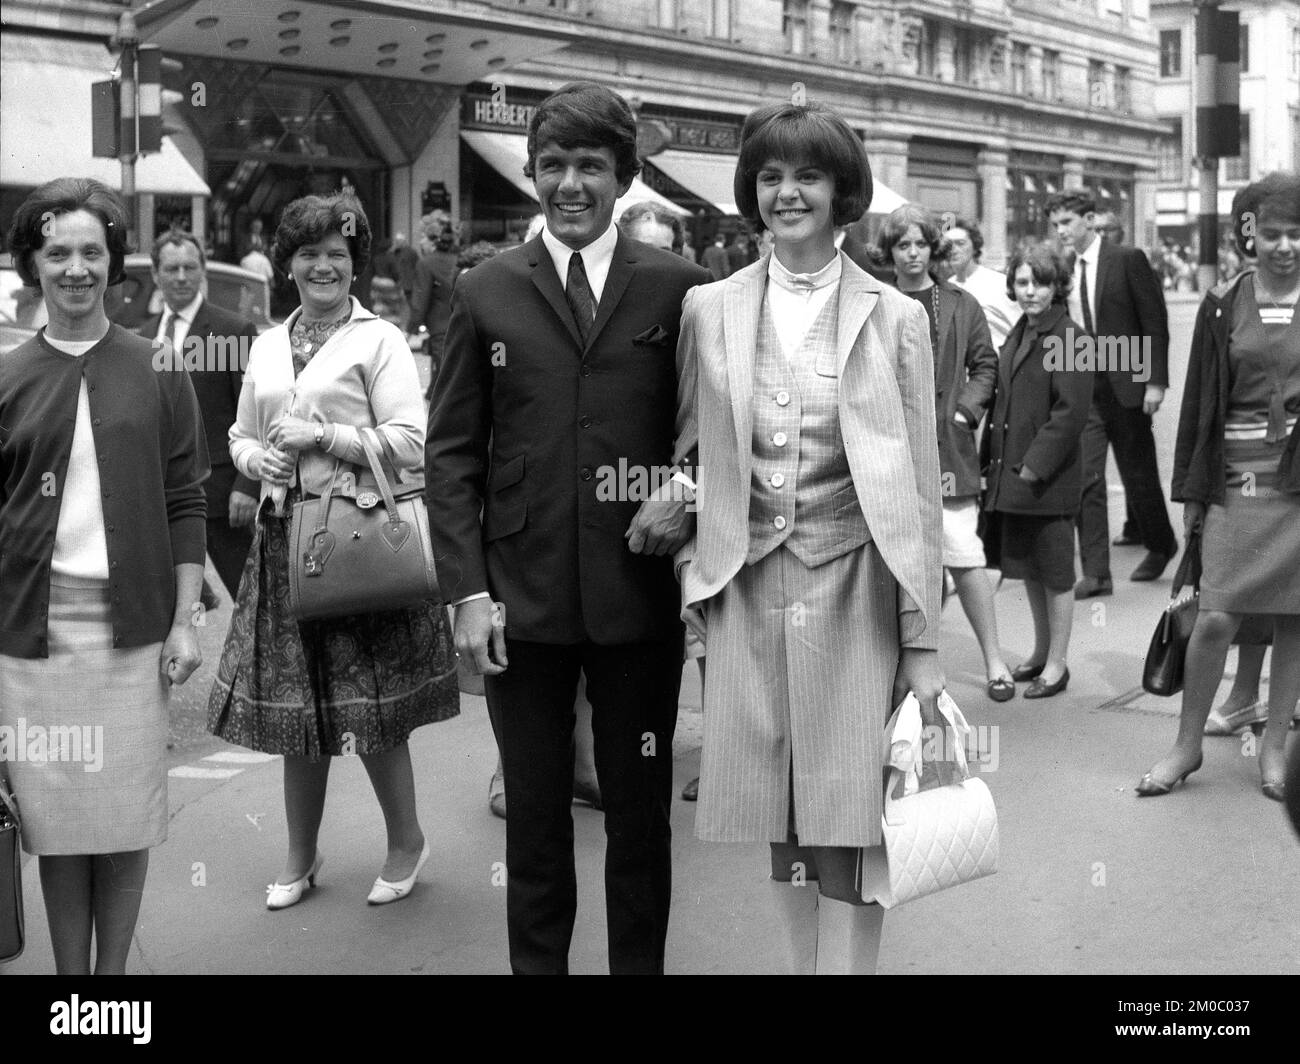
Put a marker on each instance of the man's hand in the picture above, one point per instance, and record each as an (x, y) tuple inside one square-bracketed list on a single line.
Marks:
[(180, 653), (480, 643), (1193, 517), (660, 527), (919, 672), (1152, 398), (243, 509)]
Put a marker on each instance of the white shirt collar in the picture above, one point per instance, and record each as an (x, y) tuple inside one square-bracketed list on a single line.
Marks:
[(187, 312), (1091, 254), (803, 282), (596, 258)]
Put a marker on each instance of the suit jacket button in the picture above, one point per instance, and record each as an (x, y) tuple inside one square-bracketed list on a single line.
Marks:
[(586, 371), (585, 421), (587, 474)]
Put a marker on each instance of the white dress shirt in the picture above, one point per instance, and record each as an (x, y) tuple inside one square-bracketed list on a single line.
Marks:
[(80, 542), (990, 288), (596, 258), (1085, 260), (795, 299), (186, 315)]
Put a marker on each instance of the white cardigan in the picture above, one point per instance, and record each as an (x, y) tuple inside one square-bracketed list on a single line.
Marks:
[(362, 376)]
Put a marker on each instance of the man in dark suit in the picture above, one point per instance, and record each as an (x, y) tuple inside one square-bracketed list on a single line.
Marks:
[(716, 259), (214, 345), (557, 392), (1118, 301), (435, 276)]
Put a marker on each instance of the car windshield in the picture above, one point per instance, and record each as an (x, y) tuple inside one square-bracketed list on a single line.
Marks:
[(246, 298)]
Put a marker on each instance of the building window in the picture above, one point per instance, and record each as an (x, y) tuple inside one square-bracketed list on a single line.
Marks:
[(720, 18), (963, 55), (1237, 168), (1098, 93), (1123, 90), (1171, 53), (1169, 163), (1051, 75), (794, 23), (1243, 43), (1295, 50), (1019, 68), (668, 14), (842, 43)]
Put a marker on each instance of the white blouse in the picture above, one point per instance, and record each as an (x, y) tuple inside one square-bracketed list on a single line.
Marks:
[(795, 299)]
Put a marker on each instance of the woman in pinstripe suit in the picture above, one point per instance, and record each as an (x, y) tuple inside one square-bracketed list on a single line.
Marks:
[(807, 403)]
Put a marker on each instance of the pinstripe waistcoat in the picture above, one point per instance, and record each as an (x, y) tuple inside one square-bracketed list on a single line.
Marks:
[(801, 490)]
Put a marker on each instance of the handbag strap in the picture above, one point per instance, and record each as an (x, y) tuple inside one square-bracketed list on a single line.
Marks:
[(1189, 569), (381, 478)]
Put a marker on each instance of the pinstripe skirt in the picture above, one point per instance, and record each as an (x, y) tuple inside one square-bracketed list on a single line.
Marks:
[(84, 732), (801, 666)]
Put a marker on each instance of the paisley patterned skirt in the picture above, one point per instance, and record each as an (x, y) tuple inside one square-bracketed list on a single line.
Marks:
[(343, 685)]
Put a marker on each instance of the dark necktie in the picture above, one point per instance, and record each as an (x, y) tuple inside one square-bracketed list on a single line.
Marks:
[(581, 300), (1084, 302), (173, 326)]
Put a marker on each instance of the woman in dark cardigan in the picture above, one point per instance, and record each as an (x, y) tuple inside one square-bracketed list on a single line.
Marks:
[(1236, 473), (102, 463), (1032, 459)]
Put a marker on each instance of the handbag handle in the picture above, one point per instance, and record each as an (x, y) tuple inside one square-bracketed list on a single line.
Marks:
[(377, 468), (1189, 569)]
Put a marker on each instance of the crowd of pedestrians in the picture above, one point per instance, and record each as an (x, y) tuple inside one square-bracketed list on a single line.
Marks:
[(851, 444)]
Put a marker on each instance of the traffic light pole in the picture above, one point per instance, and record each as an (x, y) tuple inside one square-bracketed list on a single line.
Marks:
[(128, 38)]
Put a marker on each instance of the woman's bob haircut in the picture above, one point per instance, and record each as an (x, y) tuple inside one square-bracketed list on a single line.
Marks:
[(67, 195), (1275, 196), (806, 134), (1047, 266)]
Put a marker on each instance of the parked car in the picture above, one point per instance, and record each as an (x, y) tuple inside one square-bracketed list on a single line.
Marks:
[(22, 310)]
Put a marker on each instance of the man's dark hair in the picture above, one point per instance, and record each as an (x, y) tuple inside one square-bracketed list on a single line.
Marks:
[(312, 218), (1075, 200), (583, 114), (179, 238), (1276, 195), (810, 134), (66, 195)]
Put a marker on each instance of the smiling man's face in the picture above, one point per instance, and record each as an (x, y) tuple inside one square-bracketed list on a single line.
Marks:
[(577, 188)]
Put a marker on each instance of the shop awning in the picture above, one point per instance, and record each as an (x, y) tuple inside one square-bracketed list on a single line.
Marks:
[(707, 174), (711, 176), (507, 153), (45, 122)]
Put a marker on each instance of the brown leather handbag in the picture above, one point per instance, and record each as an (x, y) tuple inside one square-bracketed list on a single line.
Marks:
[(366, 554)]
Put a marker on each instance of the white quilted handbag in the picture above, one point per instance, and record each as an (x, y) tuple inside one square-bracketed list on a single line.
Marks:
[(934, 838)]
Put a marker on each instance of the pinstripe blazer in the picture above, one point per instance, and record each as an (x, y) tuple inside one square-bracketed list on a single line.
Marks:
[(886, 406)]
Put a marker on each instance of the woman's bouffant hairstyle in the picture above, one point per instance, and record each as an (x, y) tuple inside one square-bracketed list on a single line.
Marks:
[(895, 228), (65, 195), (312, 218), (1048, 267), (583, 114), (810, 134), (1276, 195)]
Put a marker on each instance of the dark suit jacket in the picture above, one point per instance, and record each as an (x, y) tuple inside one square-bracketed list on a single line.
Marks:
[(435, 276), (1129, 303), (717, 262), (1037, 421), (217, 390), (526, 435), (965, 376)]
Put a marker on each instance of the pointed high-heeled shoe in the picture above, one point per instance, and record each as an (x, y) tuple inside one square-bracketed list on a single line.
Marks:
[(283, 895), (1150, 787), (384, 892)]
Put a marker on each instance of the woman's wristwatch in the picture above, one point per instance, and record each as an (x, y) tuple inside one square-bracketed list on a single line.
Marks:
[(320, 434)]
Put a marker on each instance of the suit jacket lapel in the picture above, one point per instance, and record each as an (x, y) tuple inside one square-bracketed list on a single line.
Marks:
[(742, 302), (620, 273), (548, 283), (859, 294), (1105, 258)]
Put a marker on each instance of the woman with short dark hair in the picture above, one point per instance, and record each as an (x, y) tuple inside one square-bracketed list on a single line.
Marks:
[(1237, 474), (314, 690), (913, 245), (814, 574), (102, 463), (1033, 463)]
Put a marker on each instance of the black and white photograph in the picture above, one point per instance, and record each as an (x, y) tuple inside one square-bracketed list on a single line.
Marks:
[(651, 487)]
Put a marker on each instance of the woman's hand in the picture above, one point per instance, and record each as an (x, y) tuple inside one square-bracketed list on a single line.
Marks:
[(1193, 517), (273, 466), (180, 653), (289, 433), (919, 672)]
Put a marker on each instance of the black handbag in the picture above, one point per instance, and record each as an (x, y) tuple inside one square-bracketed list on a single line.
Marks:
[(11, 878), (366, 554), (1162, 673)]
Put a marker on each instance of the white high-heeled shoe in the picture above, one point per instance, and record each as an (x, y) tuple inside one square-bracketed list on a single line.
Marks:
[(384, 892), (283, 895)]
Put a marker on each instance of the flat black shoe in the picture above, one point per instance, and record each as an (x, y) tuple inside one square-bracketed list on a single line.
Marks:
[(1150, 787), (691, 792), (1038, 689), (1021, 673), (1000, 690), (1152, 566), (1093, 586), (1274, 789)]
